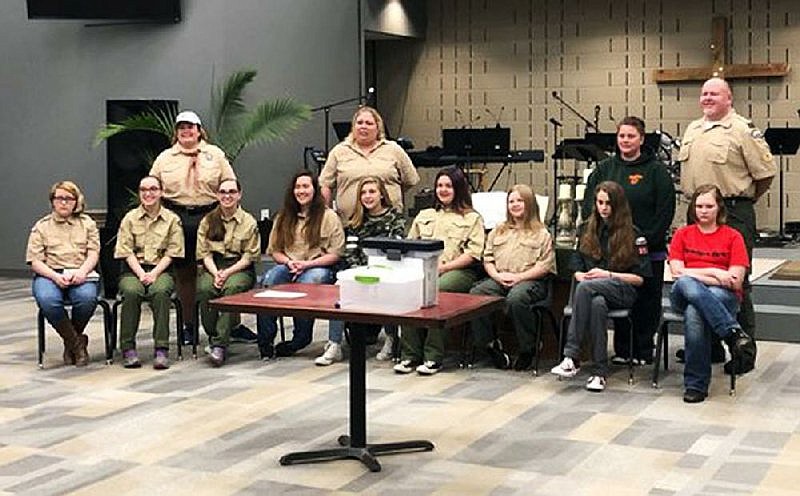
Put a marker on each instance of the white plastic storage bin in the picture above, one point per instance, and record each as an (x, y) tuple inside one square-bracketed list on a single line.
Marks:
[(385, 289), (414, 255)]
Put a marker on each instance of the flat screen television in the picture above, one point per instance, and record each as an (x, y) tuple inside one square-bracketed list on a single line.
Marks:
[(160, 11)]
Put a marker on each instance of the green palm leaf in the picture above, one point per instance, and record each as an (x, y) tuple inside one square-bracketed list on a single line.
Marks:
[(268, 121), (227, 104), (156, 120), (233, 128)]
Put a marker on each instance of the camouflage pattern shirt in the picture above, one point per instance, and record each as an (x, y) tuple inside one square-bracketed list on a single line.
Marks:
[(391, 224)]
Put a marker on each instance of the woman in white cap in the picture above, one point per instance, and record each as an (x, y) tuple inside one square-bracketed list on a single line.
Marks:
[(190, 171)]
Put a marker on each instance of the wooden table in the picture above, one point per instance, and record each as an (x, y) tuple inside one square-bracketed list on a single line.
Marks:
[(321, 302)]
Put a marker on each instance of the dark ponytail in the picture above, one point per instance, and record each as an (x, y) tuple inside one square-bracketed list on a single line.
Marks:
[(216, 228)]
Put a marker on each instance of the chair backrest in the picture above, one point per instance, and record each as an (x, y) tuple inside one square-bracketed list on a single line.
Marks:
[(492, 207), (543, 202)]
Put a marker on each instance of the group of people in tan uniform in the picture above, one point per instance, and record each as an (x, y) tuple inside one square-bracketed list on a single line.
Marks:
[(190, 216)]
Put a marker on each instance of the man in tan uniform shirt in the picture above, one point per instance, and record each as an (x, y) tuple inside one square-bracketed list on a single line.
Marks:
[(728, 150)]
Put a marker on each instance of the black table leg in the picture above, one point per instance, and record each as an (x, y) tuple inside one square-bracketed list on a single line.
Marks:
[(355, 445)]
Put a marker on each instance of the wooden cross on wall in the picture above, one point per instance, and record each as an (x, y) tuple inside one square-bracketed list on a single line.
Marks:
[(720, 66)]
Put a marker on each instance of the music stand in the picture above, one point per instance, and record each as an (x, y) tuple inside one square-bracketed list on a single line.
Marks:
[(579, 149), (782, 141), (604, 141), (490, 141)]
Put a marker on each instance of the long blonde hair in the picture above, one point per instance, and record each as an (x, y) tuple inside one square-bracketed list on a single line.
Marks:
[(530, 218), (357, 219)]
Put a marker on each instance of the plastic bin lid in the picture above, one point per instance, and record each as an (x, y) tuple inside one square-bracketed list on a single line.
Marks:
[(403, 245)]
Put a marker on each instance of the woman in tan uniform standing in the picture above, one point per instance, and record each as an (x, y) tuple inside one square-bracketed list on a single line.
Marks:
[(190, 171), (228, 245), (149, 238), (63, 250), (366, 152)]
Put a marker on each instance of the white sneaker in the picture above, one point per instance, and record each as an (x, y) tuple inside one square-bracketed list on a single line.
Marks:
[(386, 352), (566, 369), (406, 367), (333, 353), (596, 383), (429, 367)]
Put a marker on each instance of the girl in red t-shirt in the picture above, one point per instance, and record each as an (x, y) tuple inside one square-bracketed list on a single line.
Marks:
[(708, 260)]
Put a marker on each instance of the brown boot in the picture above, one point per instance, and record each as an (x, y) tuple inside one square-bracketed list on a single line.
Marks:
[(69, 356), (81, 351), (65, 329)]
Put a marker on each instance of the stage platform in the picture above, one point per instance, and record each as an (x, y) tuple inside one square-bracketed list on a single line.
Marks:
[(776, 301)]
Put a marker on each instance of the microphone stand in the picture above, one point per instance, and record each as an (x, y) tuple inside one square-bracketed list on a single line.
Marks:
[(587, 123), (556, 125), (327, 111)]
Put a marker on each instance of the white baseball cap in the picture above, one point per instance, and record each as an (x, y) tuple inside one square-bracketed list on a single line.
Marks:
[(188, 116)]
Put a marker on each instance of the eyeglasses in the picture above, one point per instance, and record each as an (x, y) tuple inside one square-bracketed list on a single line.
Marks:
[(64, 199), (151, 189), (224, 192)]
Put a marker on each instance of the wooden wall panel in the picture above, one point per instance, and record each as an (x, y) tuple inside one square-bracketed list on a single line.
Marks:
[(481, 56)]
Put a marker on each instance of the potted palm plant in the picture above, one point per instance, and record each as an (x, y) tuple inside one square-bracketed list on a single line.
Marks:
[(232, 126)]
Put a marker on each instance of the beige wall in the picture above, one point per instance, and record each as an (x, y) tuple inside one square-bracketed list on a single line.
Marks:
[(481, 56)]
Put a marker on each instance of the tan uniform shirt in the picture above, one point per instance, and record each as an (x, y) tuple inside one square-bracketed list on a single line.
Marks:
[(731, 153), (172, 167), (149, 238), (346, 166), (331, 239), (241, 238), (63, 244), (460, 233), (517, 250)]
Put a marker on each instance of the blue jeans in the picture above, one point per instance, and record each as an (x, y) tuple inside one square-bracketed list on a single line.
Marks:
[(303, 328), (50, 299), (336, 331), (705, 309)]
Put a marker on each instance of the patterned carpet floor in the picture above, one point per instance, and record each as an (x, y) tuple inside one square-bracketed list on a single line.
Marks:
[(196, 430)]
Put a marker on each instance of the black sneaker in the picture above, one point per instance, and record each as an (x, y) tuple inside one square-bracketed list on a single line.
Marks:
[(266, 351), (242, 334), (188, 334), (499, 358), (693, 396), (743, 353), (284, 349), (524, 361), (619, 360)]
